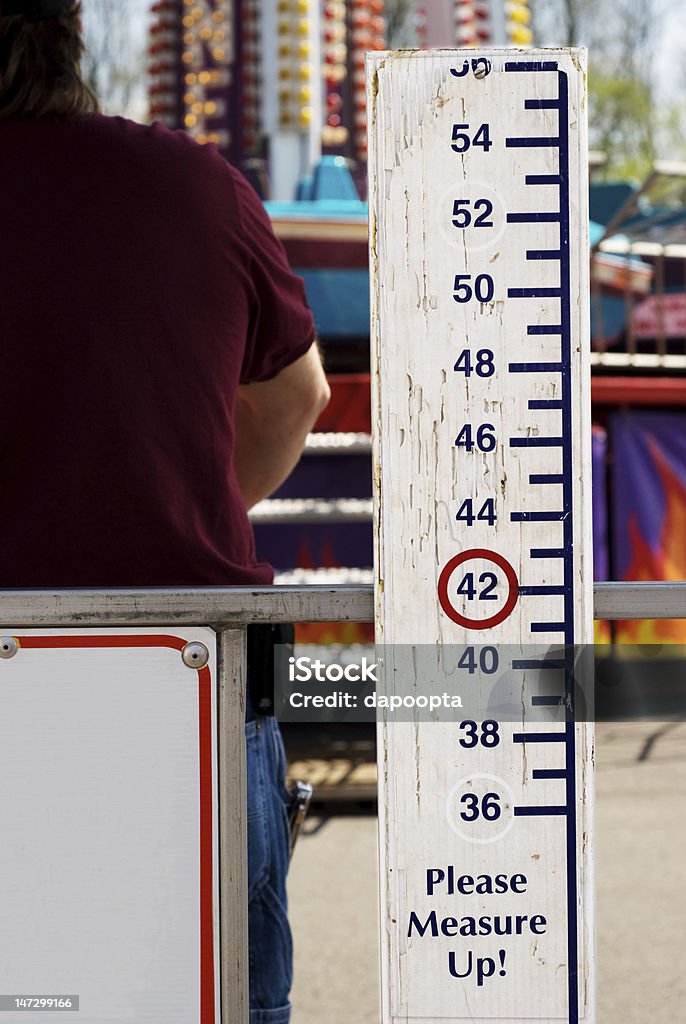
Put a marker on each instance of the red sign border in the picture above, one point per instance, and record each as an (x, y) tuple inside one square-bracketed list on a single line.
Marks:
[(207, 988)]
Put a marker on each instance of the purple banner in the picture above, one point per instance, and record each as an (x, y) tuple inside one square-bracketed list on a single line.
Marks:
[(601, 558), (649, 510)]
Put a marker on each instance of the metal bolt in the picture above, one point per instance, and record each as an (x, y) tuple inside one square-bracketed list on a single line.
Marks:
[(8, 647), (195, 655), (481, 67)]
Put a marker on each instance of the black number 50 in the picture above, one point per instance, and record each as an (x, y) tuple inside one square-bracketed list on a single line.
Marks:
[(483, 288)]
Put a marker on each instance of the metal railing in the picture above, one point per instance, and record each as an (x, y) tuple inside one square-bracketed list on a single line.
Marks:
[(228, 611), (225, 608)]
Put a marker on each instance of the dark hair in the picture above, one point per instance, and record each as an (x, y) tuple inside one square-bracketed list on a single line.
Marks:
[(40, 72)]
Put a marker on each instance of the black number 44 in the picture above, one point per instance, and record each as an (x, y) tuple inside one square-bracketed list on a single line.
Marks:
[(485, 514)]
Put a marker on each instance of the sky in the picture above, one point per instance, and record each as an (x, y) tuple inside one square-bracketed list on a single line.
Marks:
[(671, 55)]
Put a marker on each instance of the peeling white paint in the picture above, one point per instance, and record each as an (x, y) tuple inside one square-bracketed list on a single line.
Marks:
[(420, 404)]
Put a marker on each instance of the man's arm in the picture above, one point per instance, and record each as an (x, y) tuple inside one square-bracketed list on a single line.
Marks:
[(273, 418)]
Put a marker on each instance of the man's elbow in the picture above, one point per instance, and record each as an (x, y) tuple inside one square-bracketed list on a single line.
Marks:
[(313, 391), (292, 400), (322, 397), (308, 405)]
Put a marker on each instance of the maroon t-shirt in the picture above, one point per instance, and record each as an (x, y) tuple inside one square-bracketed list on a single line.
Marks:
[(140, 281)]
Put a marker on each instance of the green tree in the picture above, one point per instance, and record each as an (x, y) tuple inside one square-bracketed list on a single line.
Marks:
[(623, 118), (629, 120)]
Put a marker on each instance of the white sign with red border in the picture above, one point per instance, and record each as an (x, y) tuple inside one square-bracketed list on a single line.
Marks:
[(108, 813)]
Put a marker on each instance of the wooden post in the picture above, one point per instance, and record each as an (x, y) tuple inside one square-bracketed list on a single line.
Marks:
[(479, 256)]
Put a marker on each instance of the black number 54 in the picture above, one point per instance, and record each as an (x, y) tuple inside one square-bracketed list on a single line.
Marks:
[(464, 140)]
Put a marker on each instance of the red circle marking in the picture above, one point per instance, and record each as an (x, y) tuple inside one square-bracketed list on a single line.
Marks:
[(489, 556)]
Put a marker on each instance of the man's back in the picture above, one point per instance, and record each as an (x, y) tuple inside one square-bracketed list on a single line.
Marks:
[(159, 377), (140, 284)]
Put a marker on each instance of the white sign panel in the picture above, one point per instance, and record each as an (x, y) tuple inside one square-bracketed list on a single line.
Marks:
[(479, 250), (108, 812)]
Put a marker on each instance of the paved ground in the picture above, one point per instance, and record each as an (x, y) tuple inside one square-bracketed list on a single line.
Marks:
[(641, 892)]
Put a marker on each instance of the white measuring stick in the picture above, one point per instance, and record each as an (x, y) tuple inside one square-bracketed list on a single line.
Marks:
[(479, 256)]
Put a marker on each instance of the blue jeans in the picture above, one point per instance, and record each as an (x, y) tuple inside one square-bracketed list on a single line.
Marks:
[(269, 936)]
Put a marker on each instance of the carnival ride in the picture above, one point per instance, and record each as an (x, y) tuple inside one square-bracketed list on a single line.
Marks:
[(279, 87)]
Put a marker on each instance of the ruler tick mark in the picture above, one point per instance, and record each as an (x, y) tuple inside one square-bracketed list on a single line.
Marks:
[(545, 810), (544, 329), (543, 254), (539, 737), (534, 217), (543, 179), (524, 664), (535, 142), (531, 65), (538, 517), (535, 367), (536, 442), (546, 478), (534, 292), (542, 104)]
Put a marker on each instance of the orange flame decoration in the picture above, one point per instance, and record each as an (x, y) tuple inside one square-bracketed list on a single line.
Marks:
[(334, 633), (667, 563)]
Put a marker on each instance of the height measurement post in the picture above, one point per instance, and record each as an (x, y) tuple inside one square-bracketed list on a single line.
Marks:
[(479, 256)]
